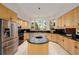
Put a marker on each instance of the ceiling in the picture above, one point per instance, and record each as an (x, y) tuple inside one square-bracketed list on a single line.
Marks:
[(28, 11)]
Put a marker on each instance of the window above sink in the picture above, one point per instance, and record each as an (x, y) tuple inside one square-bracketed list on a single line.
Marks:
[(41, 24)]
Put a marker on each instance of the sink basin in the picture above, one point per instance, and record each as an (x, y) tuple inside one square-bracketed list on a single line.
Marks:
[(38, 39)]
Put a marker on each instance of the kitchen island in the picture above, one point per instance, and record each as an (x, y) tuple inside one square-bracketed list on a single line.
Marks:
[(37, 49), (68, 43)]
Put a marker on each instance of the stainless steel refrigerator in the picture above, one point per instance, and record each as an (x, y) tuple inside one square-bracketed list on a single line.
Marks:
[(8, 37)]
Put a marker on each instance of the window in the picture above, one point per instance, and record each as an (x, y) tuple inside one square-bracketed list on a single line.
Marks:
[(39, 25)]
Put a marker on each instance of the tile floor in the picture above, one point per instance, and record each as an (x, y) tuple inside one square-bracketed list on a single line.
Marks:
[(54, 49)]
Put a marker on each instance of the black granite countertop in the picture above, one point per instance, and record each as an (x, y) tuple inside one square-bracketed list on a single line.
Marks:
[(69, 37), (49, 31), (39, 31), (37, 43)]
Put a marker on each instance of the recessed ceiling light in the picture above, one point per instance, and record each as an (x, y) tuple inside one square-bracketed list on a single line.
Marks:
[(39, 8)]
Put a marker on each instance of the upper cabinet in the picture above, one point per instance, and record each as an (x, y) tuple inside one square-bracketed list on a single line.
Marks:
[(3, 12), (69, 20), (22, 23), (6, 13), (63, 22), (76, 17)]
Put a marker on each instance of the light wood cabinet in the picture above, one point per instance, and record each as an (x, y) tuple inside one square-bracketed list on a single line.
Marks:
[(69, 19), (24, 24), (3, 12), (68, 44), (56, 24), (57, 38), (77, 48), (38, 49), (48, 36), (59, 22), (76, 17), (53, 37), (6, 13), (71, 46), (26, 36), (60, 40)]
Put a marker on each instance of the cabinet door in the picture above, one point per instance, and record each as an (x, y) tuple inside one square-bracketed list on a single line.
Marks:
[(26, 36), (66, 44), (65, 17), (56, 24), (60, 22), (76, 18), (3, 12), (53, 38), (71, 47), (37, 49), (60, 40), (63, 21), (69, 19), (77, 48), (49, 36)]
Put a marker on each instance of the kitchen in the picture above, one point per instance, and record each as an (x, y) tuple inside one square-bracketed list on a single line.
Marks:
[(49, 25)]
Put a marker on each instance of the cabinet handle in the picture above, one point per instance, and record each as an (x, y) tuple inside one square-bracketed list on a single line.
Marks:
[(76, 47), (63, 40)]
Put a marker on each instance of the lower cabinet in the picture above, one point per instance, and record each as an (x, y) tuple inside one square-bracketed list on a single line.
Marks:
[(38, 49), (53, 37), (77, 48), (48, 36), (68, 44), (71, 46), (26, 36), (60, 40)]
